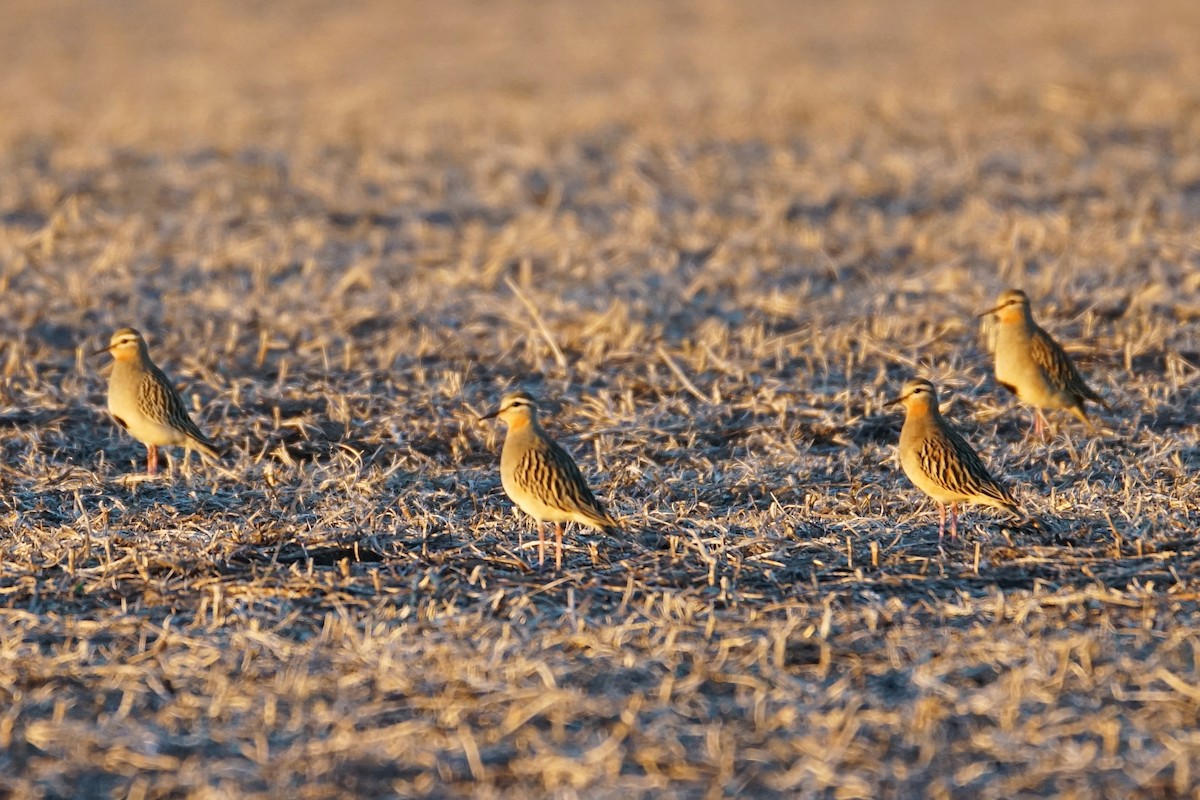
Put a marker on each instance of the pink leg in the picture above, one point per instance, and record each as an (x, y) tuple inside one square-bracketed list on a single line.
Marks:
[(558, 528), (151, 459), (541, 544), (1039, 424), (941, 521), (954, 520)]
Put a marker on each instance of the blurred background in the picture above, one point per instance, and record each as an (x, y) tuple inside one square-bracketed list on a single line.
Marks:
[(137, 73), (202, 157)]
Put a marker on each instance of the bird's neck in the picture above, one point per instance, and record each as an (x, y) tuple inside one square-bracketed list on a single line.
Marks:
[(133, 361), (1016, 317), (521, 424), (925, 414)]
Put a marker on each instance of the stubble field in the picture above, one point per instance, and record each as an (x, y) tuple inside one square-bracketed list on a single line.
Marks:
[(715, 238)]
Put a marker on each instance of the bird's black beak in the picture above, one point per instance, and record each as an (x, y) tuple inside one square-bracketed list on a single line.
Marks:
[(991, 310), (895, 401), (492, 415), (101, 350)]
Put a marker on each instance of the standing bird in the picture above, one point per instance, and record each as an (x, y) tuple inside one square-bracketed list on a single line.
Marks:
[(939, 462), (1034, 367), (541, 478), (143, 401)]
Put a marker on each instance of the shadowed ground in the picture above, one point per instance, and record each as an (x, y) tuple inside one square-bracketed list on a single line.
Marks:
[(741, 227)]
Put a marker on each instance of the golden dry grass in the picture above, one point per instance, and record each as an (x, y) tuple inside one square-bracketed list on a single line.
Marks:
[(742, 226)]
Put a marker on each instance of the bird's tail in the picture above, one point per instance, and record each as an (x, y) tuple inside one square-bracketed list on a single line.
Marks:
[(1091, 394), (1007, 503), (602, 520), (1024, 519), (1081, 414), (205, 446)]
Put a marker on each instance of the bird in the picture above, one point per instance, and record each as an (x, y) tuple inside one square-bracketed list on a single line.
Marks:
[(939, 461), (1034, 367), (541, 478), (145, 403)]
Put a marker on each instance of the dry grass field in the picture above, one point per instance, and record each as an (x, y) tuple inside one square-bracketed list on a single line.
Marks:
[(715, 237)]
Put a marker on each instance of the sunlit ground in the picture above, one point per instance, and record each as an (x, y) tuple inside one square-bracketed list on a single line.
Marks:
[(715, 238)]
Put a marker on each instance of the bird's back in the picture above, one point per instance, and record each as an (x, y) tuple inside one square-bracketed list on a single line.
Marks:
[(1033, 366), (1059, 368), (544, 481), (144, 402), (942, 464)]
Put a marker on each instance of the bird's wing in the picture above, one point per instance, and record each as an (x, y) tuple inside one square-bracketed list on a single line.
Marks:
[(1055, 362), (953, 465), (158, 399), (553, 474)]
